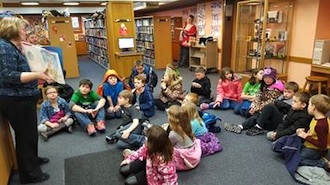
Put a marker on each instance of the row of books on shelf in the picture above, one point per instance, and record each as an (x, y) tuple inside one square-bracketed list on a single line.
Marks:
[(146, 45), (96, 32), (103, 61), (145, 29), (99, 23), (144, 22), (97, 50), (100, 42), (149, 53), (145, 37), (148, 61)]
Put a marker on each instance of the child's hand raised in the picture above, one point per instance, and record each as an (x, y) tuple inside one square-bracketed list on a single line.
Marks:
[(163, 85)]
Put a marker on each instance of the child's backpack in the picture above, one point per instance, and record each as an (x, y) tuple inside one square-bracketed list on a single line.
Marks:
[(65, 91), (210, 120), (153, 78), (210, 144)]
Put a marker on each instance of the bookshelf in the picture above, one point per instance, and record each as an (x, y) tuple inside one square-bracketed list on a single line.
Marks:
[(154, 40), (176, 22), (96, 39)]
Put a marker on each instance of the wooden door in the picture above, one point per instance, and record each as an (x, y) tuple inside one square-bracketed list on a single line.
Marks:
[(61, 35)]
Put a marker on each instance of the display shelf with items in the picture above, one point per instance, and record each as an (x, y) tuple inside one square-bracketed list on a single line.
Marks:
[(153, 39), (96, 39), (176, 22), (262, 35), (204, 55)]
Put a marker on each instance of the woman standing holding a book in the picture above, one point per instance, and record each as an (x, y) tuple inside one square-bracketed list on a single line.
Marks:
[(190, 30), (18, 98)]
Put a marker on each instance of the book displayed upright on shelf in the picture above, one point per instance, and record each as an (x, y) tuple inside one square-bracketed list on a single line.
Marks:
[(42, 60)]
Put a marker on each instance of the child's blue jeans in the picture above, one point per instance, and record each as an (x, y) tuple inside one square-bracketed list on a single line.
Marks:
[(242, 107), (84, 118), (312, 157), (134, 140), (226, 104)]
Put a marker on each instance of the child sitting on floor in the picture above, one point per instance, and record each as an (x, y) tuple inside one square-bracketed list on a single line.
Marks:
[(250, 90), (229, 91), (210, 120), (153, 162), (187, 149), (264, 119), (171, 91), (87, 105), (270, 90), (55, 114), (143, 98), (129, 134), (317, 139), (112, 86), (147, 71), (297, 117), (209, 142), (201, 85)]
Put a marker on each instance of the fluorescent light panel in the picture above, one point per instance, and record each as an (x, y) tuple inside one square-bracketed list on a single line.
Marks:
[(29, 3), (71, 3)]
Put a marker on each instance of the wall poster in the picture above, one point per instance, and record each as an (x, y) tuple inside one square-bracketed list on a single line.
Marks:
[(201, 19), (216, 18)]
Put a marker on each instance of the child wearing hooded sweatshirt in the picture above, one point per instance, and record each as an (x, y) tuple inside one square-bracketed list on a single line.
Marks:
[(112, 86), (229, 91)]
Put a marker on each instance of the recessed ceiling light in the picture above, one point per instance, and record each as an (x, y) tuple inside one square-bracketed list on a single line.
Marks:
[(29, 3), (71, 3), (104, 3)]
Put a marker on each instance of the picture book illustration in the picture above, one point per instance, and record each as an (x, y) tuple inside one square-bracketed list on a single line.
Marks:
[(41, 60)]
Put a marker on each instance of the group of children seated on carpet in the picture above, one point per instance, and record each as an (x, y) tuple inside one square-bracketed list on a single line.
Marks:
[(267, 102)]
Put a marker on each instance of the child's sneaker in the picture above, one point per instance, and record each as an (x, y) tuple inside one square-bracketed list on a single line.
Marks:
[(254, 131), (232, 128), (111, 139), (91, 129), (204, 106), (100, 126), (70, 129)]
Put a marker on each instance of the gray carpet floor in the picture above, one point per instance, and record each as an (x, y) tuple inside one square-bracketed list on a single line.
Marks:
[(244, 159)]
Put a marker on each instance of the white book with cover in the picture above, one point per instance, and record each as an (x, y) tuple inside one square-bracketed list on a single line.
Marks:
[(42, 60)]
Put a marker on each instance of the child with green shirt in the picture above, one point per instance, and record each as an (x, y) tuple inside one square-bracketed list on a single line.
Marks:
[(250, 90), (87, 105)]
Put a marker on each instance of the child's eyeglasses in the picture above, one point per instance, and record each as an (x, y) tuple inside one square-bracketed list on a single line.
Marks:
[(52, 92)]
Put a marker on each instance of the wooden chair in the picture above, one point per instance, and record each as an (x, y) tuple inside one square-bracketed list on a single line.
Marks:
[(319, 81), (42, 91)]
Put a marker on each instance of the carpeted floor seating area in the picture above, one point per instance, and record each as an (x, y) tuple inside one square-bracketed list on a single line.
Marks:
[(77, 159)]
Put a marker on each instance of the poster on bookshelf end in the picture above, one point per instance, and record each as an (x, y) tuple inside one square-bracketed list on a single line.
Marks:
[(42, 60)]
